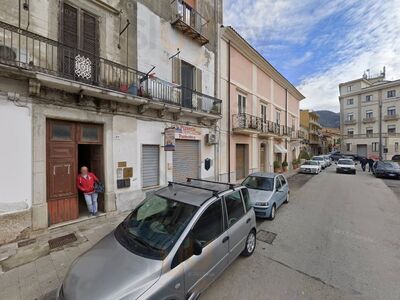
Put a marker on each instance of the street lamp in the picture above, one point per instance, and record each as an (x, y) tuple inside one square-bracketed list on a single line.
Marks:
[(380, 129)]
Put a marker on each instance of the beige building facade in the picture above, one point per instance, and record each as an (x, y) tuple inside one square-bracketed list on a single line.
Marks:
[(310, 121), (361, 116)]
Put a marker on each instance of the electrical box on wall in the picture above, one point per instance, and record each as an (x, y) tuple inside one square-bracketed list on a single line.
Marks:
[(211, 139)]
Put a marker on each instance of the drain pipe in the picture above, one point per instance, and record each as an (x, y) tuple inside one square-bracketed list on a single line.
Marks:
[(229, 111), (286, 124)]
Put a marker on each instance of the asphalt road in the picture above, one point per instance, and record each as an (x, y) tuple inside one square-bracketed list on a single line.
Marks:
[(338, 238)]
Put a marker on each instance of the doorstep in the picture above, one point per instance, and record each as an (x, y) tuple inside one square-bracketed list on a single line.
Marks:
[(86, 230)]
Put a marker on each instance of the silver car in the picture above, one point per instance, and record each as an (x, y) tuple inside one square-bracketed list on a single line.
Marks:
[(172, 246), (268, 191)]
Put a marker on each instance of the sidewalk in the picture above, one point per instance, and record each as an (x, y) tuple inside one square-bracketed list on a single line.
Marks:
[(34, 268)]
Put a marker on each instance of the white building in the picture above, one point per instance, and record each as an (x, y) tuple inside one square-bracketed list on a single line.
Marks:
[(360, 115), (78, 87)]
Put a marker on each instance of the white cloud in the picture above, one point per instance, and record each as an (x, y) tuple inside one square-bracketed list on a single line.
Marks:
[(371, 41)]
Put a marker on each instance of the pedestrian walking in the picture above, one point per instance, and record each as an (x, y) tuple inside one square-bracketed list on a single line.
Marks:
[(86, 184), (370, 164), (363, 162)]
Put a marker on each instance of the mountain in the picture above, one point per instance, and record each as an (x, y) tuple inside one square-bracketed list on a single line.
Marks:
[(328, 118)]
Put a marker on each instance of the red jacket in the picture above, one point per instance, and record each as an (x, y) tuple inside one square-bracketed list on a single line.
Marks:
[(86, 185)]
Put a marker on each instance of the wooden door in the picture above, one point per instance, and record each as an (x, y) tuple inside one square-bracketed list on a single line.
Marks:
[(240, 161), (187, 84), (69, 37), (62, 198)]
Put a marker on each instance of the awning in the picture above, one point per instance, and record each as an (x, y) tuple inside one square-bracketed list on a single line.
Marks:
[(279, 149)]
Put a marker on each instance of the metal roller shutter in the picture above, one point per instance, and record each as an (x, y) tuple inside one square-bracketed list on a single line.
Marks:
[(186, 160), (150, 165)]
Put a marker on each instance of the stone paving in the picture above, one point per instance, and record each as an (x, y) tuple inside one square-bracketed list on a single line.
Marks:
[(42, 275)]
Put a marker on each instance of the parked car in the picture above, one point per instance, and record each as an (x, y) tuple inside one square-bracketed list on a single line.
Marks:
[(172, 246), (336, 156), (310, 167), (321, 160), (386, 169), (396, 158), (345, 165), (327, 160), (268, 191)]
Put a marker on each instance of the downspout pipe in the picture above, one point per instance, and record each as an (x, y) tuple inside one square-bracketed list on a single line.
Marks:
[(229, 111), (286, 123)]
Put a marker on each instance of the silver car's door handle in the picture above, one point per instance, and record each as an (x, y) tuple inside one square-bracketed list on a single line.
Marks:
[(225, 239), (248, 220)]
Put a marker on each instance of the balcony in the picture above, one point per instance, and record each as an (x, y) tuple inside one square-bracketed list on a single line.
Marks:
[(59, 66), (369, 120), (371, 136), (394, 117), (350, 122), (186, 19), (248, 124)]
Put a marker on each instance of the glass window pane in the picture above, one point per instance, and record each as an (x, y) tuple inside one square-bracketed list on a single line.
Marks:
[(90, 133), (246, 198), (234, 207), (61, 132), (209, 226)]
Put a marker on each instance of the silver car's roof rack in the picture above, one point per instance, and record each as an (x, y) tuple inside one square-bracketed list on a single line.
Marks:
[(215, 192), (231, 185)]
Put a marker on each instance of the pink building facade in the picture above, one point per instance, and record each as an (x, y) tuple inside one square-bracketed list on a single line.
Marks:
[(261, 111)]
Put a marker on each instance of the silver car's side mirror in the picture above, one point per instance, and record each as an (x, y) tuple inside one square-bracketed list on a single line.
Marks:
[(197, 247)]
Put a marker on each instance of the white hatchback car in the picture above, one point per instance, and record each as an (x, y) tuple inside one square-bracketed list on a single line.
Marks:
[(321, 160), (346, 165), (310, 167)]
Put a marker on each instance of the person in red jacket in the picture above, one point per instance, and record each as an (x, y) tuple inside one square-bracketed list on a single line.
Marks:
[(85, 183)]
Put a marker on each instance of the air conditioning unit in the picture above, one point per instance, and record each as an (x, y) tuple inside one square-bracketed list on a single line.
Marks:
[(212, 139)]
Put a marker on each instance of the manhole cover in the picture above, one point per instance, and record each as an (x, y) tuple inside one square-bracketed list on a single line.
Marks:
[(266, 236), (62, 240)]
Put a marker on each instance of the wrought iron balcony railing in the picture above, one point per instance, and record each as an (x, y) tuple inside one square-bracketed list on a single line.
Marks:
[(32, 52), (254, 123), (188, 20)]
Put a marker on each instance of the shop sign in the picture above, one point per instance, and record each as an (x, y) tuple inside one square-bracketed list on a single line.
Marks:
[(169, 139), (187, 133)]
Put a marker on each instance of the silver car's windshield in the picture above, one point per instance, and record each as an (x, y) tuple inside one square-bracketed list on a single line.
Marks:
[(345, 162), (152, 229), (259, 183), (317, 158), (311, 163)]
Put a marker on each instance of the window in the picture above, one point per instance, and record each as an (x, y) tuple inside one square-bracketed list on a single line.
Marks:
[(350, 132), (370, 132), (368, 98), (348, 147), (283, 180), (264, 113), (241, 104), (349, 88), (278, 183), (278, 117), (350, 117), (90, 133), (350, 101), (391, 93), (208, 227), (234, 207), (246, 198), (369, 114), (61, 132), (210, 224), (391, 129), (391, 111), (396, 147), (375, 147)]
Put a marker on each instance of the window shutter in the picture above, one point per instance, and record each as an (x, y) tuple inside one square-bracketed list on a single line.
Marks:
[(89, 33), (176, 71), (199, 80), (70, 26)]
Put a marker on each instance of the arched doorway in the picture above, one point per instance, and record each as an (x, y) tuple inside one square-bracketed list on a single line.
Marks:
[(263, 157)]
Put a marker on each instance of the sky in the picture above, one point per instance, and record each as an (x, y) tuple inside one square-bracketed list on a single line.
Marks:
[(317, 44)]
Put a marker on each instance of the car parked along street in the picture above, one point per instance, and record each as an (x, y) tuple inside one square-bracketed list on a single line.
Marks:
[(310, 167), (387, 169), (172, 246), (321, 159), (268, 191)]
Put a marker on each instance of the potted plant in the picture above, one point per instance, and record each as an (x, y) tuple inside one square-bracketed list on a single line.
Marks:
[(285, 166), (277, 167), (295, 163)]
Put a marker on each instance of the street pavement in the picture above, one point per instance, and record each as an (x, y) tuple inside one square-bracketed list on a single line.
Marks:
[(338, 238)]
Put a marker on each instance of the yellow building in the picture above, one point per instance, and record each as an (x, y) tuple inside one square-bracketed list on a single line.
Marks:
[(310, 120)]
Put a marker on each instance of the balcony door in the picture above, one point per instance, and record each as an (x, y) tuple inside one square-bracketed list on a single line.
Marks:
[(187, 72), (80, 49)]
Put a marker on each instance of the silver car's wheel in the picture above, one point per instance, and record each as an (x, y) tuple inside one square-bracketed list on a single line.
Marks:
[(287, 198), (250, 244)]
